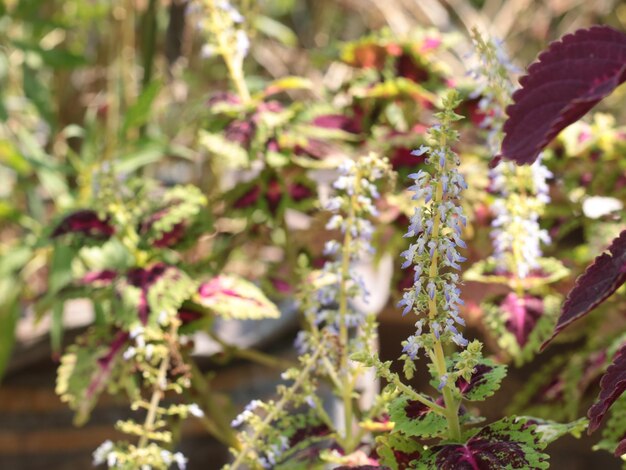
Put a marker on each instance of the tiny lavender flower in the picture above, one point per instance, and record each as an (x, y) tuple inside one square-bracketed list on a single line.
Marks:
[(435, 230), (516, 233), (523, 191), (352, 206)]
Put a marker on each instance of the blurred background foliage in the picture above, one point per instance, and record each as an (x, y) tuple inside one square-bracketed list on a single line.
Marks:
[(90, 85)]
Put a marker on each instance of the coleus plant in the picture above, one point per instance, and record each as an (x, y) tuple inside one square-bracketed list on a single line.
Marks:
[(404, 428), (127, 258), (570, 78)]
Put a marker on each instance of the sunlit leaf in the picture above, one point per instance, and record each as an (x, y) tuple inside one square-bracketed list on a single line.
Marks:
[(567, 80)]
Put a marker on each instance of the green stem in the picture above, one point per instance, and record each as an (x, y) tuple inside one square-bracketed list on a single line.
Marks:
[(438, 356), (235, 67), (395, 379), (252, 354), (277, 409), (346, 389), (215, 421), (149, 42), (157, 394)]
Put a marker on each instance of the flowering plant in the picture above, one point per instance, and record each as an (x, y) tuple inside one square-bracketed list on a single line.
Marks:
[(287, 195)]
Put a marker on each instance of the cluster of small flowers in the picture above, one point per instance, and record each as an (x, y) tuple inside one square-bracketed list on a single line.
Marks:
[(516, 233), (225, 20), (246, 414), (149, 349), (435, 229), (151, 457), (494, 86), (352, 207), (273, 453)]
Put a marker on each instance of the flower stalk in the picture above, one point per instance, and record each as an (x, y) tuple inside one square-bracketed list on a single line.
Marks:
[(434, 298)]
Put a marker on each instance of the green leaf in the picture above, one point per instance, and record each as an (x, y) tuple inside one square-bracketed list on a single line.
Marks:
[(397, 451), (84, 373), (550, 431), (56, 57), (231, 155), (56, 328), (145, 154), (169, 292), (484, 382), (60, 272), (287, 83), (12, 158), (415, 419), (275, 29), (36, 91), (9, 314), (139, 113)]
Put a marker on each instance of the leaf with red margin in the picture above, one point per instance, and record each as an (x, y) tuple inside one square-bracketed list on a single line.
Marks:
[(612, 385), (507, 443), (233, 297), (603, 277), (566, 81)]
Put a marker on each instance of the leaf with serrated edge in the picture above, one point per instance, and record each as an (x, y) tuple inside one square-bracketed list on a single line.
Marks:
[(233, 297), (413, 418), (603, 277), (612, 385), (505, 444), (484, 382), (566, 81)]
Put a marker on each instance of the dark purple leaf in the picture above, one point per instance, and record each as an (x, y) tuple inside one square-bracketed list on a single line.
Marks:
[(307, 432), (299, 192), (189, 315), (240, 132), (249, 198), (522, 314), (407, 67), (503, 444), (612, 386), (566, 81), (85, 222), (603, 277), (99, 278), (337, 121)]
